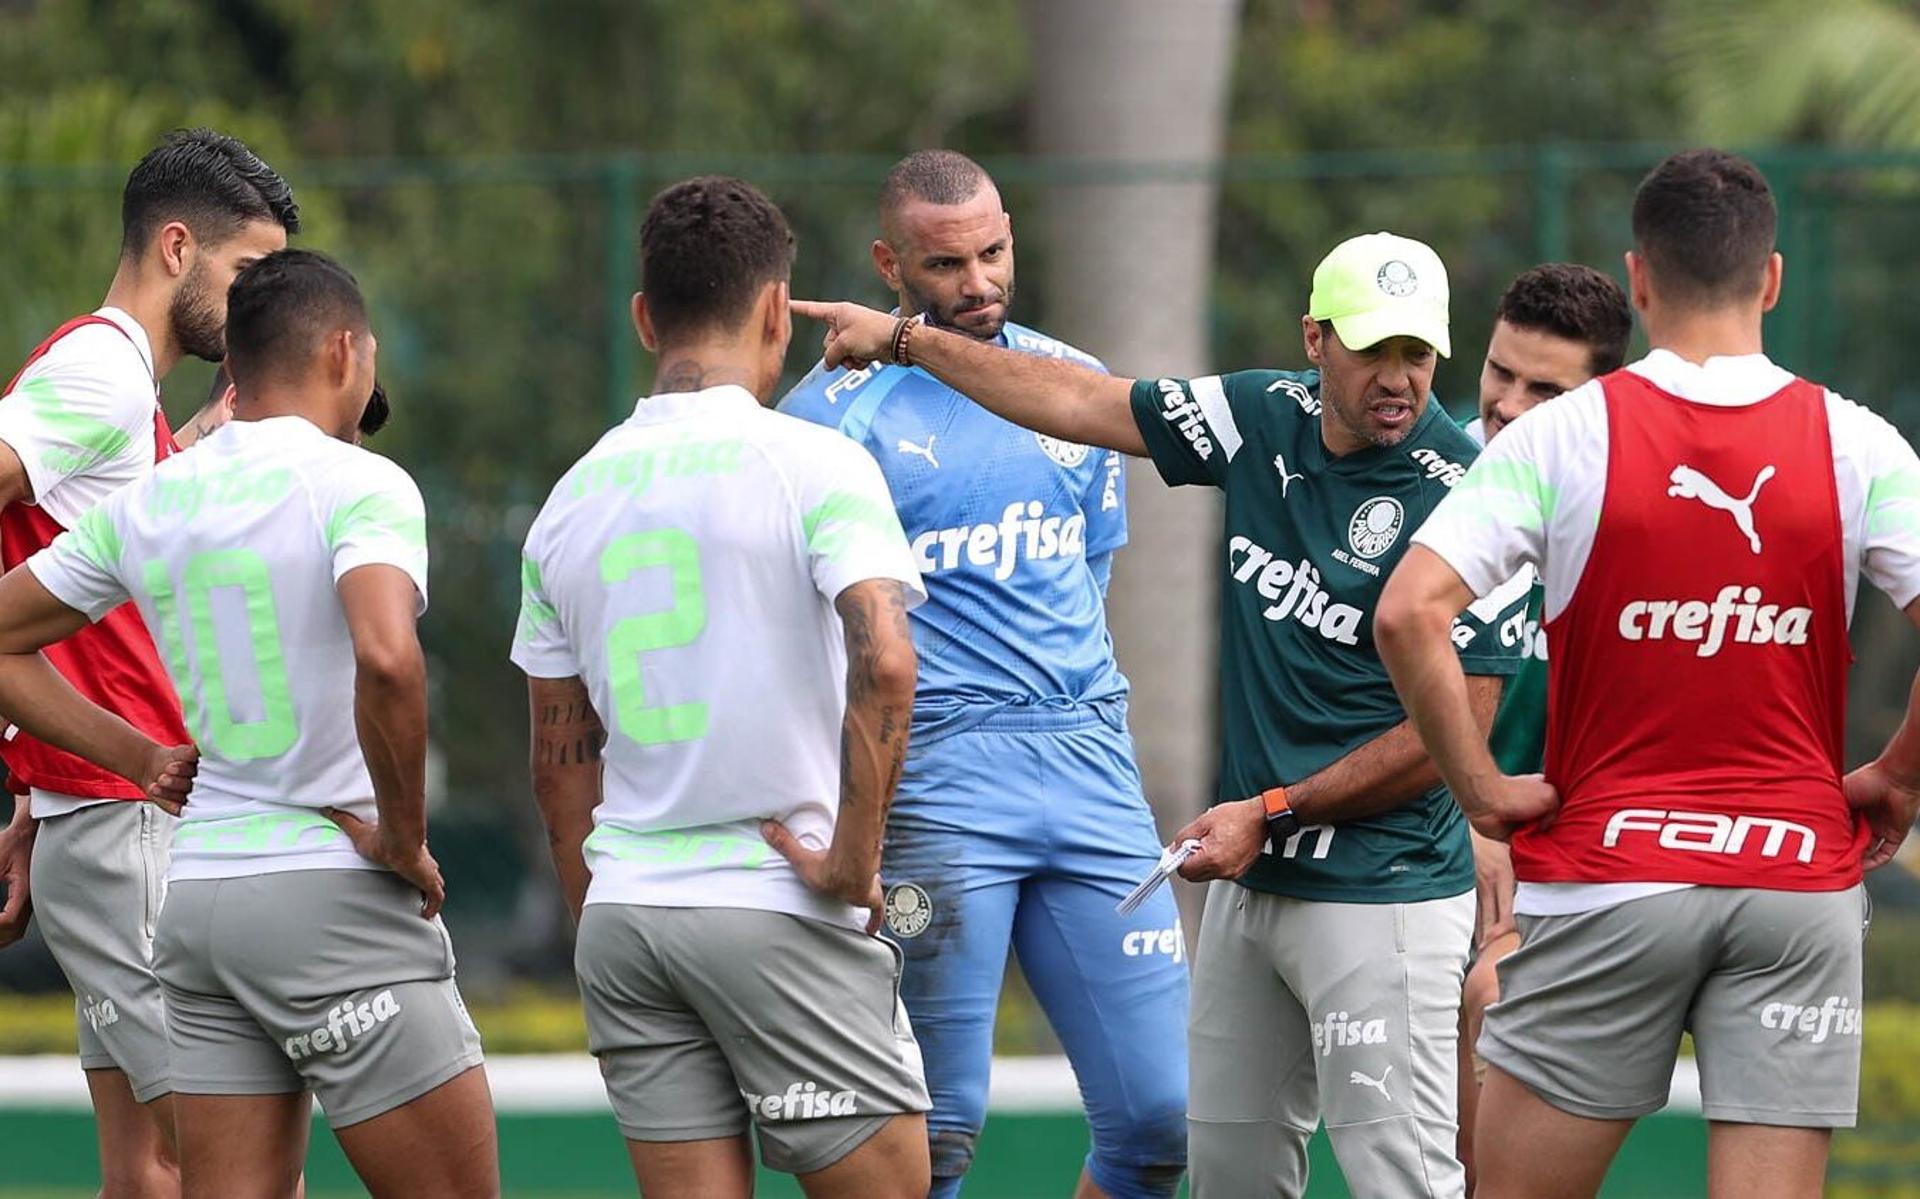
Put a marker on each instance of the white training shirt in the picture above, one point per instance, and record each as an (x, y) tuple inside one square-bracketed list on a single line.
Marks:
[(81, 421), (685, 569), (232, 553), (1534, 498)]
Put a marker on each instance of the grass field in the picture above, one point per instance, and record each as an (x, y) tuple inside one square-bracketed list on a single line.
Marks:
[(558, 1140), (572, 1155)]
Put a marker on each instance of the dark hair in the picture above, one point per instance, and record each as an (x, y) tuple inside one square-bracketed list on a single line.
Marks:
[(281, 307), (1575, 302), (373, 417), (210, 181), (707, 247), (936, 176), (1704, 221)]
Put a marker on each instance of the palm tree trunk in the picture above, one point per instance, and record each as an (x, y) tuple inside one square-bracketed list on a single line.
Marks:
[(1142, 84)]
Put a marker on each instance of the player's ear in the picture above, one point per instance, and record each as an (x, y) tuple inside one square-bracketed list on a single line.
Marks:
[(887, 263), (776, 317), (1637, 288), (174, 243), (1770, 288), (643, 323), (1310, 335), (342, 357)]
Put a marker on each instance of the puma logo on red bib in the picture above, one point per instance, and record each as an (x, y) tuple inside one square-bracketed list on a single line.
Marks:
[(1690, 484)]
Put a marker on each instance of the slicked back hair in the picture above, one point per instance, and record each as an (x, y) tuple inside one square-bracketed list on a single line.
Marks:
[(282, 307), (1575, 302), (707, 247), (932, 176), (210, 182), (1704, 220)]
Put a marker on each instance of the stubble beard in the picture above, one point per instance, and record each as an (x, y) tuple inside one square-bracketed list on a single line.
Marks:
[(196, 326), (945, 319)]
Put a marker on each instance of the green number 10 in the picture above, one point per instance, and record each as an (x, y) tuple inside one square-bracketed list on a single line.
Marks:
[(636, 635), (209, 706)]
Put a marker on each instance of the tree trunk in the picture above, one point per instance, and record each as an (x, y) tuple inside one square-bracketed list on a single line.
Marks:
[(1142, 85)]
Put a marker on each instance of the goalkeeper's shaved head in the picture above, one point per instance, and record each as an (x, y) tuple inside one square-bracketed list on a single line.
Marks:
[(946, 243), (931, 176)]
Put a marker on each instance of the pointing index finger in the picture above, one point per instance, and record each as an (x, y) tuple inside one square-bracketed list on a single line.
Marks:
[(818, 310)]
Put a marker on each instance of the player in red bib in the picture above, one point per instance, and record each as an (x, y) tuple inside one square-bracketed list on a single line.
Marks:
[(80, 420), (1701, 521)]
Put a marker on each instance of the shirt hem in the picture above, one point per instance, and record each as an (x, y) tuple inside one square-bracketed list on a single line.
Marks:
[(43, 803), (825, 911), (1360, 894), (191, 870)]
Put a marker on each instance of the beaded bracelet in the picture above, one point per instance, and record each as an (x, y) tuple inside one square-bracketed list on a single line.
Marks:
[(902, 334)]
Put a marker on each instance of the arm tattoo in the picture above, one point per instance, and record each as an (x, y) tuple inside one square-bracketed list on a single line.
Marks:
[(868, 626), (568, 734), (875, 618)]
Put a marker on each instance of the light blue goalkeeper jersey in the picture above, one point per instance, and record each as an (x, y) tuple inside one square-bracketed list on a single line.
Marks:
[(1014, 533)]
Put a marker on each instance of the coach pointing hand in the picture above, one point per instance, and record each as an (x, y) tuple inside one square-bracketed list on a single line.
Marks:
[(856, 335)]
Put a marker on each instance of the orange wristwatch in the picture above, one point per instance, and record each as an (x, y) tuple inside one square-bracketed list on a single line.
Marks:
[(1282, 821)]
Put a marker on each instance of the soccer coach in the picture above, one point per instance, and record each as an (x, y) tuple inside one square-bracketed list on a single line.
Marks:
[(1327, 980)]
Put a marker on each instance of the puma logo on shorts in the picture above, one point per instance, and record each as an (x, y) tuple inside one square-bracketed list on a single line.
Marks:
[(1357, 1079)]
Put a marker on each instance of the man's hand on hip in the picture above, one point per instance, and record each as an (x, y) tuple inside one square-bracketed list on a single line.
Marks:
[(1888, 803), (829, 874), (410, 861), (168, 776), (1514, 800), (16, 859)]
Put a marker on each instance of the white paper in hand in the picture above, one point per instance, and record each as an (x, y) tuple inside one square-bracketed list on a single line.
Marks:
[(1170, 859)]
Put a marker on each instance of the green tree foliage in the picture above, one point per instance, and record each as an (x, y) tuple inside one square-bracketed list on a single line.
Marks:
[(499, 280), (499, 289), (1431, 116), (1773, 70)]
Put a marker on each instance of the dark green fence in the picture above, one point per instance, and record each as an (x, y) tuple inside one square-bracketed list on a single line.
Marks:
[(501, 286)]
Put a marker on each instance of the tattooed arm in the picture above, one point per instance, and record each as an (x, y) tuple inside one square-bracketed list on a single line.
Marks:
[(881, 673), (567, 740)]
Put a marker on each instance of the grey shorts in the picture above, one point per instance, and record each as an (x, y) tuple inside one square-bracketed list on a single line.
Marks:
[(321, 980), (99, 876), (708, 1019), (1307, 1011), (1768, 982)]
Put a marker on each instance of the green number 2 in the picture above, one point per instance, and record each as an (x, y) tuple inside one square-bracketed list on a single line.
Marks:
[(636, 635), (206, 680)]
